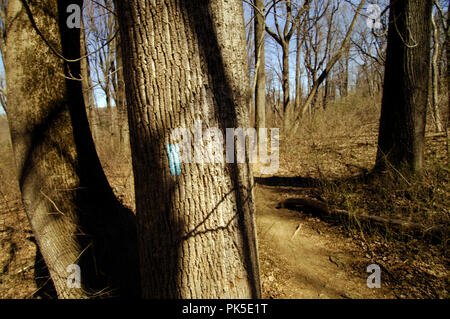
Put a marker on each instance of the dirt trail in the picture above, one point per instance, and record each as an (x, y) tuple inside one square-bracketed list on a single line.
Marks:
[(318, 262)]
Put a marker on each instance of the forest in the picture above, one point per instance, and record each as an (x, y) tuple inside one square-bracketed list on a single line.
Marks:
[(256, 149)]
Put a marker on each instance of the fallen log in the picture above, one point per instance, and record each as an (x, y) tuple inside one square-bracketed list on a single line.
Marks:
[(401, 227)]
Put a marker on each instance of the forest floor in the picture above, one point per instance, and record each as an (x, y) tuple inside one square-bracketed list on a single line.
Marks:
[(304, 257), (301, 256)]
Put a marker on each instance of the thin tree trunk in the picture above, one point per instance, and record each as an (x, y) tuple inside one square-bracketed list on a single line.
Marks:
[(73, 212), (197, 236), (325, 94), (122, 119), (346, 71), (287, 105), (405, 92), (260, 62), (435, 78), (313, 103), (298, 72), (109, 112), (86, 85)]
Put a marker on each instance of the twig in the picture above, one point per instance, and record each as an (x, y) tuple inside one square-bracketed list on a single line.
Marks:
[(54, 204), (296, 231)]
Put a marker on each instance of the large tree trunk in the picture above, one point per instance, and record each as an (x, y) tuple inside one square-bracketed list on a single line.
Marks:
[(260, 62), (405, 92), (73, 212), (187, 62)]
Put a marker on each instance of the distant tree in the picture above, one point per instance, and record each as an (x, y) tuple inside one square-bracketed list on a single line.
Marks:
[(260, 62), (333, 59), (318, 38), (74, 215), (434, 98), (100, 24), (118, 94), (283, 35), (86, 83), (370, 46), (405, 91)]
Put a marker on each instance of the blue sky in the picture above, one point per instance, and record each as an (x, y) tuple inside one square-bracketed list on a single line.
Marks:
[(273, 55), (273, 49)]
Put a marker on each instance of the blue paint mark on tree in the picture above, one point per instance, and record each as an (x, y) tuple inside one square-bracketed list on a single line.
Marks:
[(173, 153)]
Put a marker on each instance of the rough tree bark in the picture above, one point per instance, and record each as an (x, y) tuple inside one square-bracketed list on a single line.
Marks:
[(73, 212), (187, 62), (405, 91)]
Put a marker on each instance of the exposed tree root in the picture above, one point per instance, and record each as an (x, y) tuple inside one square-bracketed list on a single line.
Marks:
[(322, 210)]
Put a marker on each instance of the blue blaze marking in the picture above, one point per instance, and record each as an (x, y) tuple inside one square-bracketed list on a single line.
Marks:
[(173, 153)]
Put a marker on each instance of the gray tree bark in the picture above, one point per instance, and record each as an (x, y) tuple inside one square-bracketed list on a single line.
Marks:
[(187, 62), (73, 212), (405, 91)]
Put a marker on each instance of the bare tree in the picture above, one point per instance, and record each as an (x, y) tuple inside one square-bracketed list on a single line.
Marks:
[(435, 77), (370, 47), (445, 70), (405, 92), (318, 38), (329, 90), (74, 215), (86, 83), (329, 65), (260, 62), (283, 35), (298, 68), (101, 27), (118, 94)]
